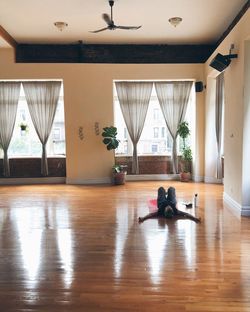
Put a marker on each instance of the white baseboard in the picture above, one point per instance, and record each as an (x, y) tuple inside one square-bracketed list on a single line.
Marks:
[(245, 211), (232, 204), (236, 207), (196, 178), (106, 180), (42, 180), (152, 177), (212, 180)]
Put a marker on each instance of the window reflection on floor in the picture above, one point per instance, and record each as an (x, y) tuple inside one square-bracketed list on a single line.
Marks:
[(121, 236), (48, 230), (156, 247), (64, 239), (186, 232), (30, 240), (168, 241)]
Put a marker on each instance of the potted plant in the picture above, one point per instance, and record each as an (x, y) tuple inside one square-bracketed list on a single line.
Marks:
[(109, 135), (23, 126), (186, 157)]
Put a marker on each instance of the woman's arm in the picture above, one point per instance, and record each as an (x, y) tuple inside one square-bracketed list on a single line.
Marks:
[(148, 216), (187, 215)]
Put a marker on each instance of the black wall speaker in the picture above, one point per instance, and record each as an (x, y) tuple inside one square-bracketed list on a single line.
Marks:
[(221, 62), (199, 86)]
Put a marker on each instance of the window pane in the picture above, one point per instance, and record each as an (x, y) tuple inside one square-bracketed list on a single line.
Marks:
[(154, 148), (156, 113), (24, 142)]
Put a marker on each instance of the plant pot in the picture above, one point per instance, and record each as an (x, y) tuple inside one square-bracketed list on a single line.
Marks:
[(185, 176), (23, 132), (119, 178)]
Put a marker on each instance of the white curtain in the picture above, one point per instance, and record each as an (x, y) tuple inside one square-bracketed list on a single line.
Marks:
[(9, 95), (173, 97), (219, 100), (42, 98), (134, 97)]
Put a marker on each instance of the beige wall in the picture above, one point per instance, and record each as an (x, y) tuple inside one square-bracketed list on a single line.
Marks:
[(88, 99), (234, 113)]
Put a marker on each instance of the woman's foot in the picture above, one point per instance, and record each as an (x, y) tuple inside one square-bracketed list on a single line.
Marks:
[(140, 219)]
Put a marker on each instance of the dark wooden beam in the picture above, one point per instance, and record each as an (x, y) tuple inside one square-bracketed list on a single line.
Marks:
[(234, 22), (7, 37), (124, 54)]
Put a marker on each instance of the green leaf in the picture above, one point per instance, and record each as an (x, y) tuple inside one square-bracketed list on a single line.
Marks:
[(106, 140), (109, 134)]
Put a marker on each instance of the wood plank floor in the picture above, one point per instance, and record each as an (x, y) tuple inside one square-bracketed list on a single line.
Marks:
[(80, 248)]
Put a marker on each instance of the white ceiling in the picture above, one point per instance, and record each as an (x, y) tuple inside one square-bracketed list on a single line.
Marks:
[(32, 21)]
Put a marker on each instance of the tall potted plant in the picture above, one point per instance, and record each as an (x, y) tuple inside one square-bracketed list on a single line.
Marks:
[(186, 157), (109, 135)]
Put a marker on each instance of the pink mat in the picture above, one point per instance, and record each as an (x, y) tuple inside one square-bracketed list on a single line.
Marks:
[(152, 204)]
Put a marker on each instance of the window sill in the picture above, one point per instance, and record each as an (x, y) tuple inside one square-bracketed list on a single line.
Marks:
[(30, 167)]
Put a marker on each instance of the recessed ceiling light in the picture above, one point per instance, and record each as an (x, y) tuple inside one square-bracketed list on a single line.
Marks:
[(175, 21), (61, 25)]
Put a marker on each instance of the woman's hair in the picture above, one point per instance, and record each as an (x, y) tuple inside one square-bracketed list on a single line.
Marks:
[(168, 212)]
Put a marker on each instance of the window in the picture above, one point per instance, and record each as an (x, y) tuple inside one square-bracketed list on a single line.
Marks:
[(154, 148), (163, 130), (22, 114), (56, 134), (156, 132), (156, 113), (155, 138), (125, 133), (26, 142)]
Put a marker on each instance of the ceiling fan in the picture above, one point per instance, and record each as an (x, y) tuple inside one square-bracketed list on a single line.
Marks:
[(111, 25)]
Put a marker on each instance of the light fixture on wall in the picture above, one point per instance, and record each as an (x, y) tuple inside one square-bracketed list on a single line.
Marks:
[(221, 62), (61, 25), (80, 133), (175, 21), (97, 128)]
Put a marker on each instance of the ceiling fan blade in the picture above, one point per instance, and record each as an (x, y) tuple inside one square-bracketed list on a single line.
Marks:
[(99, 30), (107, 19), (128, 27)]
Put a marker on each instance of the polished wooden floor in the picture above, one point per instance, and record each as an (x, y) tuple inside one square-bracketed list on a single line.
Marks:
[(80, 248)]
